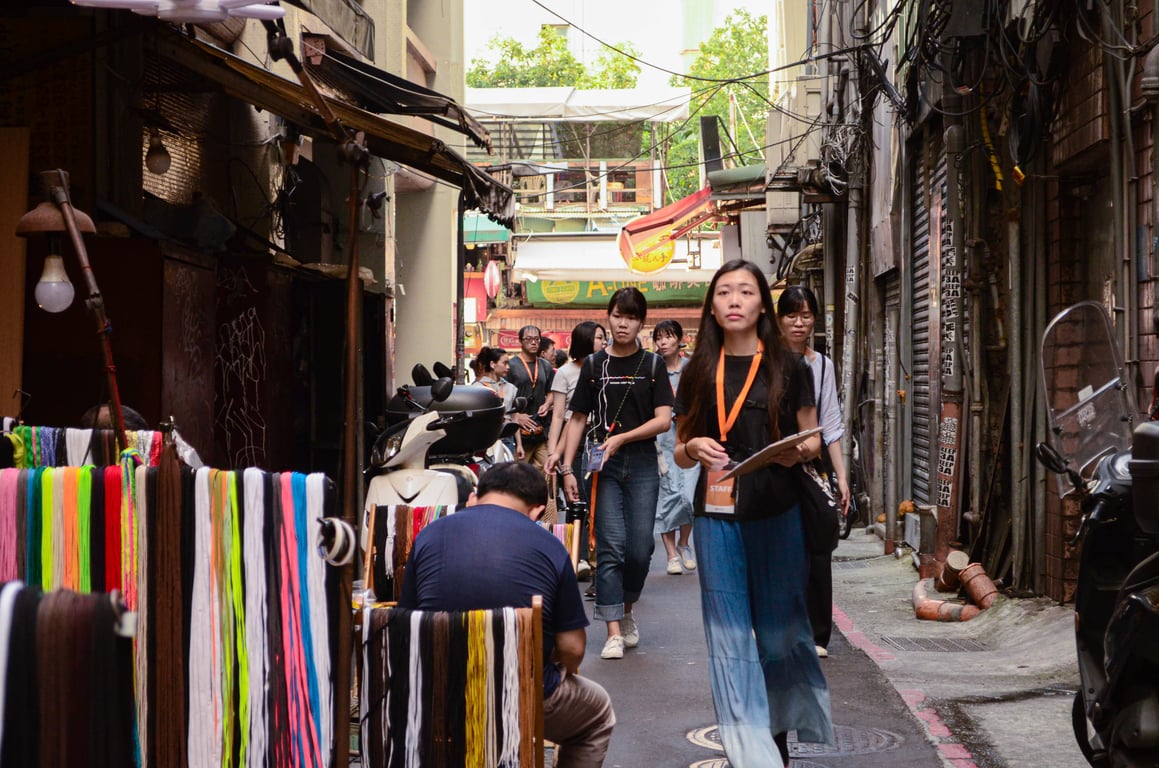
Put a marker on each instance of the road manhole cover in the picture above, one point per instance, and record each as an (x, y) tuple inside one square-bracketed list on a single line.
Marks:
[(847, 741)]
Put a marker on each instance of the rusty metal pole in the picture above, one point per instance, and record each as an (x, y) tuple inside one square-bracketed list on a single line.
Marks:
[(352, 150), (56, 184), (351, 491)]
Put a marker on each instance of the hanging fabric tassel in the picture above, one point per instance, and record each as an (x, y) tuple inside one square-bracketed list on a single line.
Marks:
[(509, 755), (8, 533), (256, 636)]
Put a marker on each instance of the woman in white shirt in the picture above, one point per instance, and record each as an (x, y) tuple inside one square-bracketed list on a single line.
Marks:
[(587, 338), (493, 364), (677, 485)]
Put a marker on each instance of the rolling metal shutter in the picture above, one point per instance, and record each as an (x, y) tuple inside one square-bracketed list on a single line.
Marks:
[(928, 225)]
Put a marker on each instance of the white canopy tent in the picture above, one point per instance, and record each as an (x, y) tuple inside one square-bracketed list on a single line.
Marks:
[(596, 257), (658, 105)]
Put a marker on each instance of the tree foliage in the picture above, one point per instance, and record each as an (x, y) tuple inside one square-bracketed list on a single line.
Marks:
[(732, 61), (550, 63)]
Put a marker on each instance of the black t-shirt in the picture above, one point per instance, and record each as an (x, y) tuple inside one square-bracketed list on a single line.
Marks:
[(772, 489), (487, 557), (521, 376), (606, 382)]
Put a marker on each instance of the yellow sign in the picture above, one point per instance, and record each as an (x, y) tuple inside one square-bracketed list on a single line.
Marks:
[(560, 291), (646, 260)]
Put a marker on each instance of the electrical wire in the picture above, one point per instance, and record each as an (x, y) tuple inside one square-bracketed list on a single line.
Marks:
[(609, 46)]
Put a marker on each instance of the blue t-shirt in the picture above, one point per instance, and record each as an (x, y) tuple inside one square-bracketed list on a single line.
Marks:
[(488, 556)]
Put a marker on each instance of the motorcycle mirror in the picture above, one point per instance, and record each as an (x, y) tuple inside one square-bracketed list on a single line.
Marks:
[(442, 371), (519, 404), (441, 389), (1050, 458), (421, 376)]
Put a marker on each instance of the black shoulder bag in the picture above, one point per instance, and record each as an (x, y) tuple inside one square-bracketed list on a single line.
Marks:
[(819, 508)]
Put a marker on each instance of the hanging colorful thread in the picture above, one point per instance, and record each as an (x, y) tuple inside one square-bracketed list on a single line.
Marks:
[(257, 648)]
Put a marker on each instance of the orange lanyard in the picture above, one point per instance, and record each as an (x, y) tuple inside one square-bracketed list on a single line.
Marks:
[(725, 424), (533, 375)]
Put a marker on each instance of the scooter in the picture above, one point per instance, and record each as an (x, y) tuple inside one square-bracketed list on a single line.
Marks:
[(399, 475), (1094, 450)]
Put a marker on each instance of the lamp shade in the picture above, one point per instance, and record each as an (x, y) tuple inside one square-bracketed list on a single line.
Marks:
[(193, 11), (46, 219)]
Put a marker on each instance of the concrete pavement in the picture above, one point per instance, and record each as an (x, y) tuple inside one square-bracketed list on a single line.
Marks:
[(993, 691)]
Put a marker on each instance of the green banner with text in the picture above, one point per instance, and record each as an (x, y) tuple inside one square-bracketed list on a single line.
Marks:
[(592, 293)]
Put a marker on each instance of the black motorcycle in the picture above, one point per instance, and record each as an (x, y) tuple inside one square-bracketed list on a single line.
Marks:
[(1114, 472)]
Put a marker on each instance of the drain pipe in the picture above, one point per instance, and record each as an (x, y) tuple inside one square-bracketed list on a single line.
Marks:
[(931, 609), (853, 240), (1017, 364), (950, 427), (1150, 90), (1118, 197)]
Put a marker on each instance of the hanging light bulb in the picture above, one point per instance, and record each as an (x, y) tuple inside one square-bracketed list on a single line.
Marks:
[(53, 291), (157, 159)]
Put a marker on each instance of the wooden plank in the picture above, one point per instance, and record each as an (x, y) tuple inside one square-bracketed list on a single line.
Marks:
[(14, 149)]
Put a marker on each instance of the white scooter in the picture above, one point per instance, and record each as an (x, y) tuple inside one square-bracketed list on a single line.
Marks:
[(400, 477), (424, 459)]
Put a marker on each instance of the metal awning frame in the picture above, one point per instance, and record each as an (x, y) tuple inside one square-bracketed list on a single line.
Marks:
[(383, 93), (384, 138)]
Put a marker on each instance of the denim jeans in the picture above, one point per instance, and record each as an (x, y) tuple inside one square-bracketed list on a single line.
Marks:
[(763, 669), (625, 493)]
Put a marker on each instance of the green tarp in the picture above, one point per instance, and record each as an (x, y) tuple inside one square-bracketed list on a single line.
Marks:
[(477, 228)]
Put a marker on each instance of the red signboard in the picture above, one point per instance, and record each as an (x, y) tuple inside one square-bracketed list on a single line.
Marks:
[(509, 339), (505, 339)]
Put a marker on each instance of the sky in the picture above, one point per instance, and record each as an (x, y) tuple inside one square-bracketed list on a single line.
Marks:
[(655, 28)]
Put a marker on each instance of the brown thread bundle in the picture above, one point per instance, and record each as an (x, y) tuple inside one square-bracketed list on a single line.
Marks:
[(80, 664), (527, 692), (167, 737), (402, 526), (377, 693), (52, 648), (63, 632)]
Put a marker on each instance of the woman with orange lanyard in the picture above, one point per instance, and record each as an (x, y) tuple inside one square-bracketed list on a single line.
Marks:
[(625, 391), (742, 390)]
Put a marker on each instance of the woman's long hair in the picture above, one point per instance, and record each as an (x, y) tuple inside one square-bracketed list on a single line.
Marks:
[(698, 384)]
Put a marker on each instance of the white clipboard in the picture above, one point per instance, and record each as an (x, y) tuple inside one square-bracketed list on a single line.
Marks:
[(765, 455)]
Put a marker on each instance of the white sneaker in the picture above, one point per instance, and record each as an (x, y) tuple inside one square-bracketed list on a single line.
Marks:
[(630, 630), (674, 567), (688, 558), (614, 648), (822, 653)]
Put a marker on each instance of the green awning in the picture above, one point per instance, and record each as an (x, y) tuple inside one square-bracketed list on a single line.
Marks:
[(744, 183), (477, 228)]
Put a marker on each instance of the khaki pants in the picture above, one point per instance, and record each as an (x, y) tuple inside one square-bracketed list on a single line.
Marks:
[(579, 719)]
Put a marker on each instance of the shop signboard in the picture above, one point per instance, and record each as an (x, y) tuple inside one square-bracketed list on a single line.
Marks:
[(595, 293)]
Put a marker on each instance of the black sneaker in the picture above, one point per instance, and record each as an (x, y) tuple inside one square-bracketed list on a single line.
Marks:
[(590, 592)]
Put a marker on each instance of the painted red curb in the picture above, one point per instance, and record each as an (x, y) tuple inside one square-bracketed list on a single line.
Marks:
[(952, 752)]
